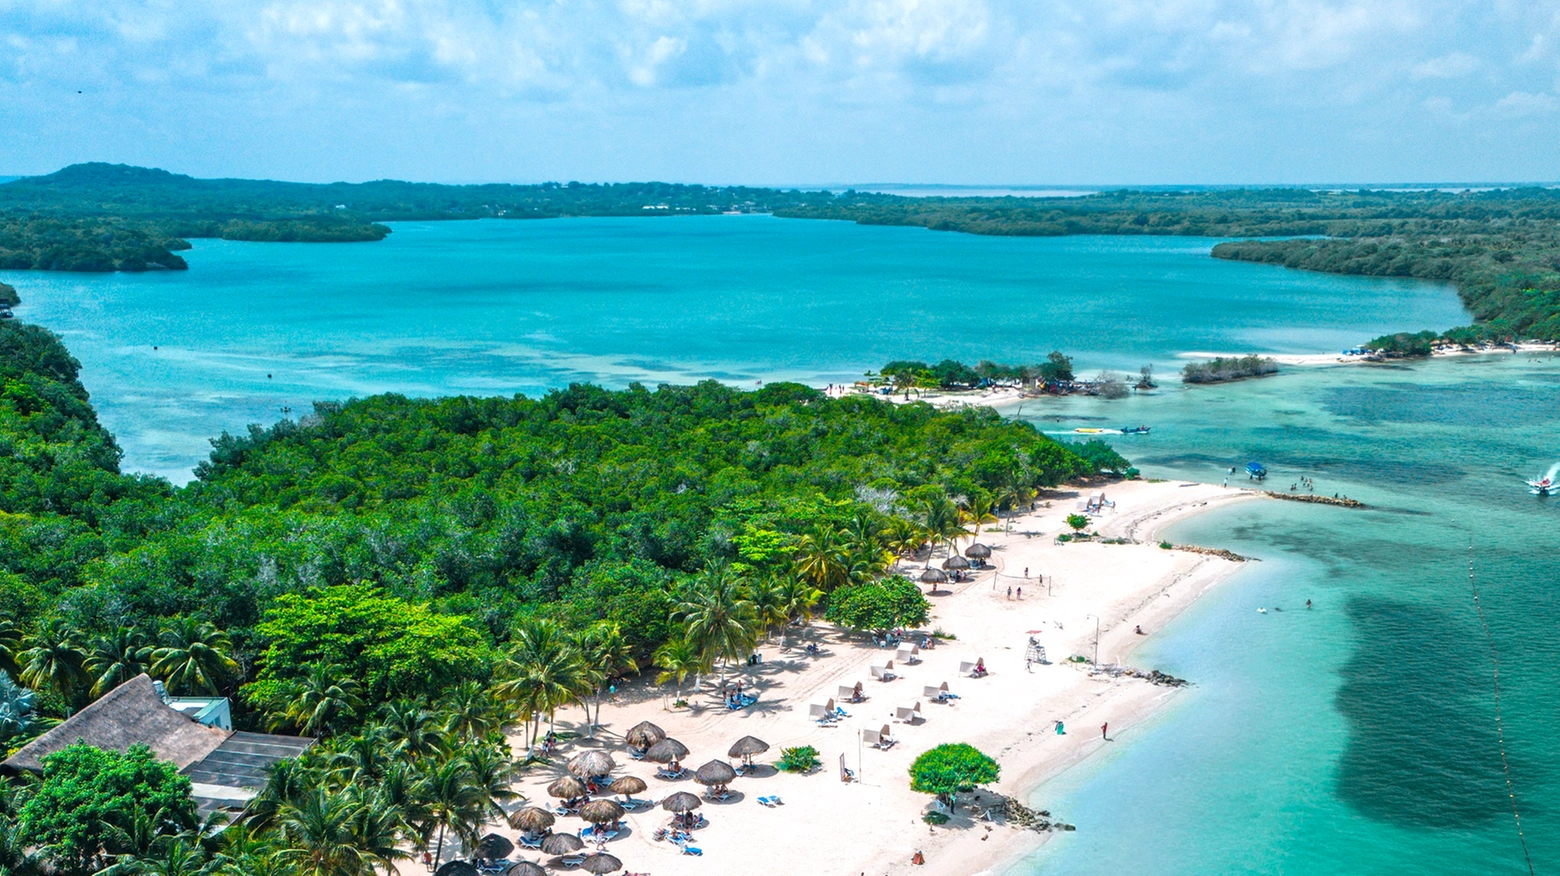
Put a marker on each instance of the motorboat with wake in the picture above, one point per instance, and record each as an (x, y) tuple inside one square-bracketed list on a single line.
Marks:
[(1545, 486), (1135, 430)]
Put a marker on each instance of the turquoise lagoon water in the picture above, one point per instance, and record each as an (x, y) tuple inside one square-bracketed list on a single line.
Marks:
[(497, 307), (1358, 736), (1352, 738)]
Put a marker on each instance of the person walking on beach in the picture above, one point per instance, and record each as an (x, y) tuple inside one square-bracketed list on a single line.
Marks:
[(1105, 731), (1020, 593), (1010, 591)]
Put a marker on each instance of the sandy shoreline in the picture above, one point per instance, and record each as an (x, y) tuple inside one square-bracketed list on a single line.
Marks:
[(873, 825)]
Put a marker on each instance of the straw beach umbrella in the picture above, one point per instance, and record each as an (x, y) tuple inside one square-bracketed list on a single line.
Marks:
[(978, 552), (715, 774), (525, 868), (456, 868), (567, 788), (601, 862), (643, 735), (494, 846), (933, 577), (561, 844), (591, 764), (601, 811), (628, 785), (532, 819), (681, 802), (666, 751), (746, 747), (956, 563)]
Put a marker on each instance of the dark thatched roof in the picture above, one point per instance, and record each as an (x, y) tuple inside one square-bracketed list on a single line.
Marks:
[(130, 714)]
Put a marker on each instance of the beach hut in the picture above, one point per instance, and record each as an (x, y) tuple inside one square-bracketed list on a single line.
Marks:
[(908, 653), (561, 844), (666, 751), (878, 738), (493, 847), (937, 693), (746, 747), (851, 693), (532, 820), (601, 862), (823, 711), (715, 775), (885, 672), (641, 736), (978, 554), (591, 764), (525, 868), (974, 669), (628, 786), (955, 563), (602, 811), (566, 788)]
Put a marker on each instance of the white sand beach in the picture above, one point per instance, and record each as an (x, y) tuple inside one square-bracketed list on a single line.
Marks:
[(873, 825)]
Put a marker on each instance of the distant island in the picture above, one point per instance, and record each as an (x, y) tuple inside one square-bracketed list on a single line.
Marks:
[(1500, 248), (1223, 368)]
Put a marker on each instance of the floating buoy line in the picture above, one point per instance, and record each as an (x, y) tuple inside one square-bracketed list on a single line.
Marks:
[(1500, 727)]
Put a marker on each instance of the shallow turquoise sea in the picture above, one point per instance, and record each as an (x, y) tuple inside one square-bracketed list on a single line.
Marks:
[(1356, 737)]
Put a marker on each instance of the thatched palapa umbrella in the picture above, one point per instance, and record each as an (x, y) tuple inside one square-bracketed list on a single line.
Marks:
[(933, 576), (628, 785), (746, 747), (681, 802), (493, 847), (567, 788), (601, 862), (643, 735), (525, 868), (602, 811), (456, 868), (532, 819), (978, 552), (561, 844), (591, 764), (956, 563), (666, 751), (715, 774)]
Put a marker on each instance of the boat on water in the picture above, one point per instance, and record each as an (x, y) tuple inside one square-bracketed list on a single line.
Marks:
[(1541, 486), (1255, 471), (1135, 430)]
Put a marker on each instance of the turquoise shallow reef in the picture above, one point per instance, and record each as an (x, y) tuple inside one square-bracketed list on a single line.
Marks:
[(1356, 737)]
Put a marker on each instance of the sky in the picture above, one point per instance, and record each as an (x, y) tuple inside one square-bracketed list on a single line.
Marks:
[(789, 92)]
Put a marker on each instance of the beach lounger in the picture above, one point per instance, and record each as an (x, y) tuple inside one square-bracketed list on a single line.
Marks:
[(885, 672), (525, 842), (770, 802), (908, 654), (692, 850), (972, 668), (823, 712), (636, 754), (671, 776), (851, 693), (573, 860)]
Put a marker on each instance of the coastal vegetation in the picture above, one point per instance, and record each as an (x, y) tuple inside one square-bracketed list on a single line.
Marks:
[(404, 579), (1222, 368), (906, 374), (952, 768)]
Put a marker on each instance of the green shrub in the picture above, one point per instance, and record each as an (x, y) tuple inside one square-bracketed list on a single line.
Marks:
[(800, 759)]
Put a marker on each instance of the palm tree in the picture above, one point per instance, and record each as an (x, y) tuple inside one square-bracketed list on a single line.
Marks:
[(942, 520), (455, 802), (905, 537), (286, 788), (54, 660), (194, 658), (18, 710), (769, 604), (604, 656), (363, 759), (376, 831), (15, 859), (319, 836), (116, 658), (543, 671), (822, 559), (471, 712), (316, 703), (677, 660), (717, 619), (977, 513), (1012, 496), (801, 599), (10, 646), (415, 731), (492, 772)]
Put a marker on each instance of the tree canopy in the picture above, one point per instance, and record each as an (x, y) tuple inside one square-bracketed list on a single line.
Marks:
[(880, 605), (951, 768)]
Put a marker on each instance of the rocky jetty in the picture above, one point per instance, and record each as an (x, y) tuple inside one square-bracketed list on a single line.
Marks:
[(1021, 816), (1212, 552), (1344, 502)]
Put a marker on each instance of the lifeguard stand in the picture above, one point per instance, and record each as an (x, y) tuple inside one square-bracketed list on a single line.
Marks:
[(1035, 653)]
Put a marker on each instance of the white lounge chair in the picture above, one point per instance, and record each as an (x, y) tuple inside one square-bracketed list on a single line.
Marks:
[(885, 672), (908, 654), (907, 714)]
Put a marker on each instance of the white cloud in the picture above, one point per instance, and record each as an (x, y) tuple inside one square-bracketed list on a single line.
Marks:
[(1448, 66), (1522, 103)]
